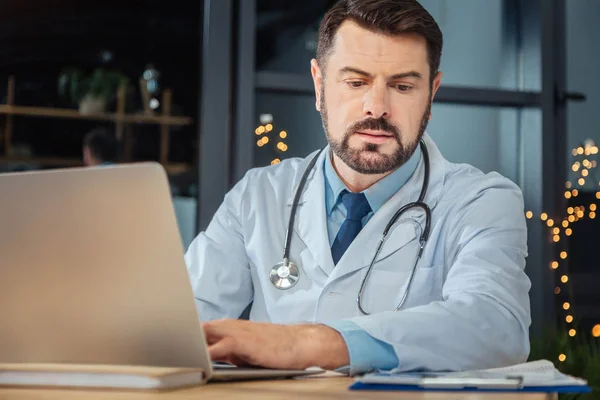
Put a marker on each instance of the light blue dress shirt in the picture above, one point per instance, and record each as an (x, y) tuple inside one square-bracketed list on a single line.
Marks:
[(364, 350)]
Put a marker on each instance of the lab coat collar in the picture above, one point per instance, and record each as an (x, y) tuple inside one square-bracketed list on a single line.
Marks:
[(311, 217), (311, 220)]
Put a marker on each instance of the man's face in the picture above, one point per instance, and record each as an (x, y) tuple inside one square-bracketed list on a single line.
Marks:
[(374, 97)]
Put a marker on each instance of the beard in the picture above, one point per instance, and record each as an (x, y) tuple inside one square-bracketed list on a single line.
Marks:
[(369, 159)]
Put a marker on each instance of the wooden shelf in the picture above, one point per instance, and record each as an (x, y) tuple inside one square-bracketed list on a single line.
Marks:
[(75, 114), (49, 161), (121, 119), (73, 162)]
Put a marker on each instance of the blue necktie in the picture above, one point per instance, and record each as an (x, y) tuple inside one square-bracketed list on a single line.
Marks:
[(357, 207)]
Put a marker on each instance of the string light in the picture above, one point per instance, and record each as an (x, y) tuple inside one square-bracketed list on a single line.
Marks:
[(282, 146), (573, 214), (265, 129)]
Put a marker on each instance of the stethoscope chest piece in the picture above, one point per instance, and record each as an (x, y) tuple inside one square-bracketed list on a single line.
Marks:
[(284, 275)]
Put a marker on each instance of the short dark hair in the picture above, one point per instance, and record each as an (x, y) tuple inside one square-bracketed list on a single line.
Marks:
[(102, 144), (389, 17)]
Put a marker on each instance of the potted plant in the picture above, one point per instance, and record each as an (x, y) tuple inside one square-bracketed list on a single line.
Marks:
[(582, 357), (91, 92)]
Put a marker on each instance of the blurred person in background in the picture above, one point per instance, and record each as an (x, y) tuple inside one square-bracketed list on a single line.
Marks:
[(100, 147)]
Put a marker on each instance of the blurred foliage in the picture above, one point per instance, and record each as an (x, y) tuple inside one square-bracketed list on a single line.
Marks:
[(75, 84), (582, 357)]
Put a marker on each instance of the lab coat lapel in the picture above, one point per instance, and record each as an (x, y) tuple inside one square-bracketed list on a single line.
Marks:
[(407, 228), (311, 217)]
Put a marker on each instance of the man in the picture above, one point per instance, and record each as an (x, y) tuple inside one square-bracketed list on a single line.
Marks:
[(99, 148), (464, 306)]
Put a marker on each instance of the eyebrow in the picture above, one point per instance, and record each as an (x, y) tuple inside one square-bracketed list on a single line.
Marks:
[(409, 74)]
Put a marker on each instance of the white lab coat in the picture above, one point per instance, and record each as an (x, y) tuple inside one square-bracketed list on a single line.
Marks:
[(468, 306)]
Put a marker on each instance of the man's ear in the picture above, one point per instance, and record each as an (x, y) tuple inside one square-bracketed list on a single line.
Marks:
[(315, 71), (435, 86)]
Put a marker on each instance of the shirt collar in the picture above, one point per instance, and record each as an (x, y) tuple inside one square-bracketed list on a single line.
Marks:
[(378, 193)]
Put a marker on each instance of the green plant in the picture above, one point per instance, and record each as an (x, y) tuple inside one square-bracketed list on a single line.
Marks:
[(582, 357), (101, 83)]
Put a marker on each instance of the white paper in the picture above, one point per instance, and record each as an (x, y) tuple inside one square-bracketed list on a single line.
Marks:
[(534, 373)]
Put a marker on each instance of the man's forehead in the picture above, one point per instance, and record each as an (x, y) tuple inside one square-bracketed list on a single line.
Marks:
[(354, 43)]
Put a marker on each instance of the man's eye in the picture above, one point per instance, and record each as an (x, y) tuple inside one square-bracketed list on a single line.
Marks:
[(403, 88), (355, 84)]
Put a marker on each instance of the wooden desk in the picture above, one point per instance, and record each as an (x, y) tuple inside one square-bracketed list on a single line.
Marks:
[(290, 389)]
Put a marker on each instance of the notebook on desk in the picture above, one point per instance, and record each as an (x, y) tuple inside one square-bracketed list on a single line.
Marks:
[(535, 376), (93, 284)]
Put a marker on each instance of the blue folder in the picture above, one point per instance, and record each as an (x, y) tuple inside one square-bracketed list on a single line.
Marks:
[(531, 389), (539, 376)]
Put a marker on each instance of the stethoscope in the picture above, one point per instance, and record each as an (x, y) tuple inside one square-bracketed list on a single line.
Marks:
[(285, 274)]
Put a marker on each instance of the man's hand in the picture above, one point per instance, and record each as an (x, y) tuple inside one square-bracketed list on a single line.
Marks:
[(244, 343)]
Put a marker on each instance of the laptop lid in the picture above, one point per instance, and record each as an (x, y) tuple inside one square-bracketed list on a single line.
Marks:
[(92, 270)]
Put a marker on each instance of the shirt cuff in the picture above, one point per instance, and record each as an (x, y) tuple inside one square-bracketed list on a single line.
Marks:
[(366, 352)]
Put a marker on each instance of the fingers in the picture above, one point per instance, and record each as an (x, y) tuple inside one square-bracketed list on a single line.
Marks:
[(216, 328), (222, 350), (213, 332), (224, 338)]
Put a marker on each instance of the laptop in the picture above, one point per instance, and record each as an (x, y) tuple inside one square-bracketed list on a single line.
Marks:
[(92, 271)]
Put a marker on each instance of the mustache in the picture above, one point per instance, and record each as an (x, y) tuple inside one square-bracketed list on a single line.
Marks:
[(378, 124)]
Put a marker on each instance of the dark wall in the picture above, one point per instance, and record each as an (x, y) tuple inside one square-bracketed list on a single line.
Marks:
[(41, 38)]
